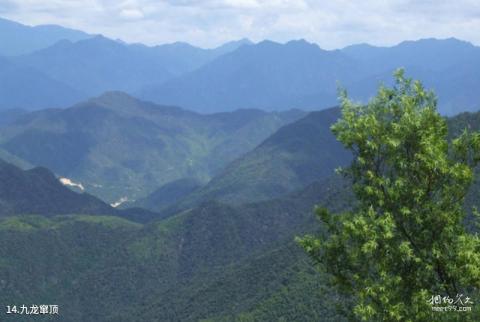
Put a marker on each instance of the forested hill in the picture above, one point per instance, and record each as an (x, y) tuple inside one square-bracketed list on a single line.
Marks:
[(293, 157), (38, 191), (211, 262), (119, 147)]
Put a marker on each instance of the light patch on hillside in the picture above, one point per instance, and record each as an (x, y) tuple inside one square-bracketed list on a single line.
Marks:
[(68, 182), (119, 202)]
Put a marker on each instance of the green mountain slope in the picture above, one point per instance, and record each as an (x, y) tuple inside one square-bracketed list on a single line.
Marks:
[(168, 194), (290, 159), (209, 262), (117, 146), (38, 191), (212, 262)]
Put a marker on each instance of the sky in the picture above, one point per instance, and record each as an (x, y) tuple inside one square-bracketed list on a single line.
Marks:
[(209, 23)]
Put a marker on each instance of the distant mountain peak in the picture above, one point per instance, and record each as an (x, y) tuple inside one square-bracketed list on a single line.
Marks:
[(115, 95), (444, 42), (114, 98), (101, 39), (180, 44), (421, 41), (302, 43), (123, 103), (233, 45), (297, 44), (362, 45), (242, 41), (96, 42), (268, 42), (19, 39)]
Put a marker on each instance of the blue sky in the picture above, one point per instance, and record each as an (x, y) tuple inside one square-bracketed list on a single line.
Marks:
[(207, 23)]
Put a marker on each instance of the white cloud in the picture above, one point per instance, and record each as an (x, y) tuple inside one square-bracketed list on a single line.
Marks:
[(207, 23), (131, 13)]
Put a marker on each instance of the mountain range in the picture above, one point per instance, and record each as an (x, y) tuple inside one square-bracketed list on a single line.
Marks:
[(240, 74), (23, 87), (19, 39), (293, 157), (183, 205), (98, 64), (299, 74), (213, 261), (119, 147), (209, 261), (266, 75)]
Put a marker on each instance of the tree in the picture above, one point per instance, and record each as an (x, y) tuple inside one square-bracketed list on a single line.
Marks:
[(404, 241)]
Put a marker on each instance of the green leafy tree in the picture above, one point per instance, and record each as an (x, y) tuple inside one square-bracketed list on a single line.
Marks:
[(404, 241)]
